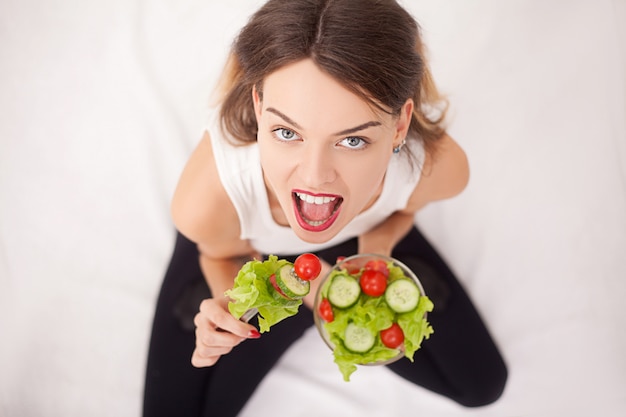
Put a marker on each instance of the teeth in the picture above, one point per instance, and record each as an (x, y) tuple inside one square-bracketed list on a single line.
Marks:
[(314, 223), (315, 200)]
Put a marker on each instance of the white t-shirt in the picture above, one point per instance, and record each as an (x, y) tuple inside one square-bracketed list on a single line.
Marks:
[(240, 172)]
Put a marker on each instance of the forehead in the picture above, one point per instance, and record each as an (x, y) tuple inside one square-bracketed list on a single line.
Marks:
[(313, 98)]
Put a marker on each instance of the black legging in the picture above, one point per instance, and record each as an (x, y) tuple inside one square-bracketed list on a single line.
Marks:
[(459, 361)]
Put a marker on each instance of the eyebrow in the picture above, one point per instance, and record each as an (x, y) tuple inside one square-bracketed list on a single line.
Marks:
[(343, 132)]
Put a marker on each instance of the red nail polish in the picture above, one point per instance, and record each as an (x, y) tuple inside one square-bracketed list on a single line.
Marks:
[(254, 334)]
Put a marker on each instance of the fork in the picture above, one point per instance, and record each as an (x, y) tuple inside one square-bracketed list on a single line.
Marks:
[(249, 314)]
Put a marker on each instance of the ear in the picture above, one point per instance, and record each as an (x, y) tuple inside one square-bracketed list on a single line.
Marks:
[(404, 122), (257, 102)]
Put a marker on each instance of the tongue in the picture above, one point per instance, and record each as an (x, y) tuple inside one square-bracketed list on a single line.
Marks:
[(316, 212)]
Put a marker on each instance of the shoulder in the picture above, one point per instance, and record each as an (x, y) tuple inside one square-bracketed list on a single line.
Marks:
[(445, 174), (201, 209)]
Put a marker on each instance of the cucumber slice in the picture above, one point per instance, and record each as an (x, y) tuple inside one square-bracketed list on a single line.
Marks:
[(344, 291), (290, 284), (277, 293), (358, 339), (402, 295)]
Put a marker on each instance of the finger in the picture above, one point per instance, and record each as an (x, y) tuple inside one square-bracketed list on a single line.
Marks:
[(209, 336), (223, 320), (207, 352), (199, 361), (326, 267), (211, 344), (309, 299)]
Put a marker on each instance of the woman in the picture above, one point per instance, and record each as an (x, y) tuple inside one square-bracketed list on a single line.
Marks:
[(328, 138)]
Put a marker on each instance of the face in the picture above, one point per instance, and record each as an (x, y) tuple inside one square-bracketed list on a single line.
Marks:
[(324, 150)]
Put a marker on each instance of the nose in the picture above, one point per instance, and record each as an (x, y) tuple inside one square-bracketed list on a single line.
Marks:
[(317, 167)]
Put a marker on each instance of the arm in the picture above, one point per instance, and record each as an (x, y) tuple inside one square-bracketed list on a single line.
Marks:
[(220, 273), (199, 200), (443, 177)]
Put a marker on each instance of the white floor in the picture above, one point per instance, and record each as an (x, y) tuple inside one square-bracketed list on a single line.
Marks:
[(101, 102)]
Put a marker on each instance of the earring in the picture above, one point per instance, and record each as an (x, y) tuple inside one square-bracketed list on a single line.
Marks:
[(397, 148)]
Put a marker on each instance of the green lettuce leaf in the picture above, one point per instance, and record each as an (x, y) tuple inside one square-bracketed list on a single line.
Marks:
[(415, 326), (252, 289)]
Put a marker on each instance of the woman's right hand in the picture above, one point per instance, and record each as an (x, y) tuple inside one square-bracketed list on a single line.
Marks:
[(217, 333)]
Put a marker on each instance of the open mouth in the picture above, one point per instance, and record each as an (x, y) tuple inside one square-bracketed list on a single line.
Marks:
[(316, 212)]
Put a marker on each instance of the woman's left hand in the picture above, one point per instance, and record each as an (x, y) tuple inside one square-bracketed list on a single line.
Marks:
[(309, 299)]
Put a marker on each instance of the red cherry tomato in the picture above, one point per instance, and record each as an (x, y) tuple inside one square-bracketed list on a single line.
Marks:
[(393, 336), (348, 266), (325, 311), (378, 265), (373, 283), (307, 266)]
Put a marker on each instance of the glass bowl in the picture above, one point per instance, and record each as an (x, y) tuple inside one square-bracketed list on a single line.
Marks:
[(354, 265)]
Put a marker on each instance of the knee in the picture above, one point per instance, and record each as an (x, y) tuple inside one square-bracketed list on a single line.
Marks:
[(485, 390)]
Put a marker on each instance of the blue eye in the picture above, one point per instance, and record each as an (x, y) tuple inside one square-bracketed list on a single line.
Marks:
[(285, 134), (353, 142)]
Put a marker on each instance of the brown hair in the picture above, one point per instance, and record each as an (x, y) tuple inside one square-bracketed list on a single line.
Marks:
[(373, 47)]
